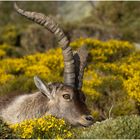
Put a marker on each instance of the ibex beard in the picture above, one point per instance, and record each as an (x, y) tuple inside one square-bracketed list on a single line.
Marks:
[(63, 100)]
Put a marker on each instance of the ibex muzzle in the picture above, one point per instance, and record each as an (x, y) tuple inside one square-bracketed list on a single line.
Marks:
[(63, 100)]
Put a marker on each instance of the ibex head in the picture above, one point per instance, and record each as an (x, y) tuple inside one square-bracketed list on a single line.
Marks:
[(64, 100)]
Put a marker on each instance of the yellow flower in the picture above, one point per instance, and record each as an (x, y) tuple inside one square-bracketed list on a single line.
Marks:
[(45, 127)]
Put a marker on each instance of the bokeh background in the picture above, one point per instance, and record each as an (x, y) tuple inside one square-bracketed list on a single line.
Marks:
[(111, 33), (102, 20)]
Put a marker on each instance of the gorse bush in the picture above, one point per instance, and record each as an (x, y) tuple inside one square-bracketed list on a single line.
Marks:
[(43, 128), (113, 65), (4, 77), (109, 51), (37, 64)]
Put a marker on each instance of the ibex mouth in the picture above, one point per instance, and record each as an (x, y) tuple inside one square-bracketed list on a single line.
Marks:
[(85, 125), (86, 121)]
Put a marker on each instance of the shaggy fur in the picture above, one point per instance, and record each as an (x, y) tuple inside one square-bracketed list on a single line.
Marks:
[(19, 108), (15, 109)]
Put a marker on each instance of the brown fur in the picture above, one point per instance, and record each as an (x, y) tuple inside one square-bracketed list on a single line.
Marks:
[(14, 109), (5, 100)]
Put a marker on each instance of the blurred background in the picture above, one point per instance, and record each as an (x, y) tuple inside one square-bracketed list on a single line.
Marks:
[(101, 20)]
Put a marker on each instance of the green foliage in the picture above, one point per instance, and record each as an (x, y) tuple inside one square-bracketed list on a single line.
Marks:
[(10, 51), (9, 16), (6, 132), (9, 34), (42, 40), (18, 84), (115, 98), (122, 20), (126, 127)]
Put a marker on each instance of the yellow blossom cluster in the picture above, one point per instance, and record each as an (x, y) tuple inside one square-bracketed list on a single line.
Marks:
[(130, 70), (3, 50), (47, 127), (2, 53), (91, 80), (42, 64), (105, 51), (117, 58), (113, 57), (13, 66), (9, 34), (132, 85), (4, 77)]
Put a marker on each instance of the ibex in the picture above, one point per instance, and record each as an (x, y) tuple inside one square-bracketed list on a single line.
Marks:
[(62, 100)]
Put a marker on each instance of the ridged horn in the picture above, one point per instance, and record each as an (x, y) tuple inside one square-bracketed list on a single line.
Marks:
[(80, 58), (49, 24)]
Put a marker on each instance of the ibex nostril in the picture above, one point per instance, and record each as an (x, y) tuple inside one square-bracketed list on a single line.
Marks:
[(89, 118)]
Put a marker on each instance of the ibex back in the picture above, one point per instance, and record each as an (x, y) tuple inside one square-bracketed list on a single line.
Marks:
[(63, 100)]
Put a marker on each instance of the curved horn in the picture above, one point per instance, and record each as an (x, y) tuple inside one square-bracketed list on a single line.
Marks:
[(80, 58), (47, 22)]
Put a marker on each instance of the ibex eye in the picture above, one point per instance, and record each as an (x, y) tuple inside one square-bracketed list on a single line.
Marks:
[(66, 96)]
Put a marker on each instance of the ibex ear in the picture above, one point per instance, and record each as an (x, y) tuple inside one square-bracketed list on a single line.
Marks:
[(42, 87)]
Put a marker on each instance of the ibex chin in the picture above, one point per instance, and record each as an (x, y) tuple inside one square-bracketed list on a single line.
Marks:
[(62, 100)]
